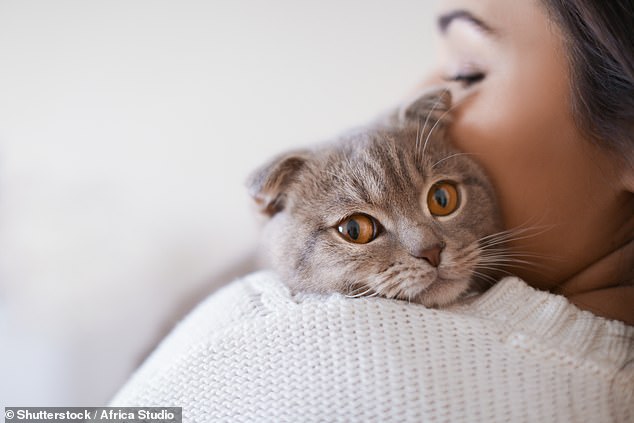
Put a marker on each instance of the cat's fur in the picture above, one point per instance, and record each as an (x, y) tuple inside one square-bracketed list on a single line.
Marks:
[(383, 170)]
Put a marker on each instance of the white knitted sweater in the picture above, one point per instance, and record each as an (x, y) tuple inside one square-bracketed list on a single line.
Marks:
[(253, 352)]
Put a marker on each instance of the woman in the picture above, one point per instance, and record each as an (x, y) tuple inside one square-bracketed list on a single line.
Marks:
[(545, 101), (549, 112)]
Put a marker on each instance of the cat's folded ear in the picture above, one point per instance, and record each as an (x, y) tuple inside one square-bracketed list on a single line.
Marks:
[(269, 185), (430, 106)]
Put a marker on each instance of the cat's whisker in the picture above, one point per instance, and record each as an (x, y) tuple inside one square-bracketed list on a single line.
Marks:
[(507, 239), (509, 256), (429, 134), (491, 246), (514, 256), (360, 294), (493, 269), (514, 234), (431, 111), (494, 251), (518, 256), (507, 262), (493, 257), (497, 235), (484, 277), (527, 226), (491, 252), (534, 268), (450, 157), (502, 265), (438, 121), (530, 229), (419, 137)]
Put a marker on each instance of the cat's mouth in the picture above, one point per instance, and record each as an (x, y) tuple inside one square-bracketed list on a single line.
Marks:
[(431, 287)]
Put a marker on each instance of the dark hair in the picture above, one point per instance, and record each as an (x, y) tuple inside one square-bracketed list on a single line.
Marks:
[(600, 48)]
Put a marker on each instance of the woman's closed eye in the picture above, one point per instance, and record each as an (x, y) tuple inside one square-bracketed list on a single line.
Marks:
[(467, 79)]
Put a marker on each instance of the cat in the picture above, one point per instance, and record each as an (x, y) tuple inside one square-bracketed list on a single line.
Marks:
[(390, 209)]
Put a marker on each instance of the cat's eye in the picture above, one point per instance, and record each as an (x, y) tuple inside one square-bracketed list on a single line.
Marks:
[(358, 228), (443, 198)]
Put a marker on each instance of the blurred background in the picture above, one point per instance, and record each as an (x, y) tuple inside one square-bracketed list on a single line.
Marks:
[(127, 130)]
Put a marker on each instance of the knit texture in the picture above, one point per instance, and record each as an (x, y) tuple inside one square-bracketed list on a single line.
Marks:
[(253, 352)]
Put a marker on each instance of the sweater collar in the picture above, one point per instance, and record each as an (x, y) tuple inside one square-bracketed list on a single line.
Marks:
[(527, 315)]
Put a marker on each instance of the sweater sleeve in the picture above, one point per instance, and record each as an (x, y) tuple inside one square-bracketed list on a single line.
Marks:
[(254, 352)]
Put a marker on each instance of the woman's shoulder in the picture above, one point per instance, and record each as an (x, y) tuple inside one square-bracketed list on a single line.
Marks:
[(257, 351), (510, 306)]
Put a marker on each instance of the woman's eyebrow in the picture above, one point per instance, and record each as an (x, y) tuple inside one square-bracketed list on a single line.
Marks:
[(446, 19)]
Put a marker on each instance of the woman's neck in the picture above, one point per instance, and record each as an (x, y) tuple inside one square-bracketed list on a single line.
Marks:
[(606, 287)]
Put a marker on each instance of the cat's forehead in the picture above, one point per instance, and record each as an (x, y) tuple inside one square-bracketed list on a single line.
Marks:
[(388, 165), (372, 167), (393, 150), (367, 145)]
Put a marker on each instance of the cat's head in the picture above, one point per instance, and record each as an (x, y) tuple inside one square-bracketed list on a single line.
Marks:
[(390, 209)]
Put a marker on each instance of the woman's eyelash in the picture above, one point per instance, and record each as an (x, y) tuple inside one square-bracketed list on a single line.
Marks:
[(467, 79)]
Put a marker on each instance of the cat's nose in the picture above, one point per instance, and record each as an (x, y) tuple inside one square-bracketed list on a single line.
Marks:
[(431, 254)]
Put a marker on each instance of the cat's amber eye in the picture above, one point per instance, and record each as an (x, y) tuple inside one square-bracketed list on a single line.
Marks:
[(358, 228), (443, 198)]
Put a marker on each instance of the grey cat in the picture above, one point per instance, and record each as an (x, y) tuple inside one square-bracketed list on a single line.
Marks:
[(390, 209)]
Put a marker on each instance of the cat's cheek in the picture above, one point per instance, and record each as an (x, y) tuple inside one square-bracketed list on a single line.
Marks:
[(458, 262), (283, 249), (346, 267), (329, 264)]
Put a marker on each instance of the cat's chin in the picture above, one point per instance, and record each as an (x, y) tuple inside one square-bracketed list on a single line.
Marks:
[(443, 292)]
